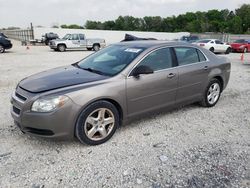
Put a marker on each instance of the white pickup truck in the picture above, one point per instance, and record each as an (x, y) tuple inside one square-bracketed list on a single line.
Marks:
[(76, 41)]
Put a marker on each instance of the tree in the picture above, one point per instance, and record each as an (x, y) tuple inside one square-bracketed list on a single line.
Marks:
[(237, 21), (244, 13)]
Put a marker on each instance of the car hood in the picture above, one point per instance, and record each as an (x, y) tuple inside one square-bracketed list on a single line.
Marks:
[(58, 78), (237, 44)]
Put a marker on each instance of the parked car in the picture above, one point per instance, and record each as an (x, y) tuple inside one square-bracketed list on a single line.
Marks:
[(3, 35), (190, 39), (5, 43), (241, 45), (49, 36), (129, 37), (91, 98), (76, 41), (214, 45)]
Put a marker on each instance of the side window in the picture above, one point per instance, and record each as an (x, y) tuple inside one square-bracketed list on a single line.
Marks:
[(74, 37), (186, 55), (201, 56), (218, 42), (158, 60), (81, 36)]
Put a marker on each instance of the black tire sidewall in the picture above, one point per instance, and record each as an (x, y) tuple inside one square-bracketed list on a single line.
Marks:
[(211, 49), (79, 128), (2, 48), (60, 46), (98, 47), (205, 101)]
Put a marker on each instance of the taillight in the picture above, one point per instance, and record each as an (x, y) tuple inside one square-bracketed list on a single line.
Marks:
[(202, 44)]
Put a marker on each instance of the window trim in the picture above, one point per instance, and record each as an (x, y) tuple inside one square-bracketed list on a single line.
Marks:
[(174, 58), (178, 65), (147, 54)]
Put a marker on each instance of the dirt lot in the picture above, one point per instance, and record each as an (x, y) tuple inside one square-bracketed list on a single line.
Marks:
[(188, 147)]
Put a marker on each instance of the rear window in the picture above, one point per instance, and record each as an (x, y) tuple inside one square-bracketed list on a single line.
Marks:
[(201, 56), (186, 55)]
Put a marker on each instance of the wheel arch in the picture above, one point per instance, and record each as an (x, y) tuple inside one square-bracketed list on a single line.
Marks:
[(61, 44), (220, 79), (112, 101)]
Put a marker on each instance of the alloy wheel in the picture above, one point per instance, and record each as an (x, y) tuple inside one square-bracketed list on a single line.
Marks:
[(213, 93), (99, 124)]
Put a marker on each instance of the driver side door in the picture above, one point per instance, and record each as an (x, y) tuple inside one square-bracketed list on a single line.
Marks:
[(74, 41), (152, 91)]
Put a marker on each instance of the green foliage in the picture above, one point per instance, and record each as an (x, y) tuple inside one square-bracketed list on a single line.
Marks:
[(237, 21), (72, 26)]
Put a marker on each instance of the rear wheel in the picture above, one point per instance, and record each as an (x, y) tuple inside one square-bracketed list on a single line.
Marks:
[(96, 47), (212, 93), (61, 47), (97, 123), (2, 49), (211, 49)]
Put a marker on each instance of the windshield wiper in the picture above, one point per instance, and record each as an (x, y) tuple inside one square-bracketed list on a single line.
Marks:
[(94, 71), (90, 69)]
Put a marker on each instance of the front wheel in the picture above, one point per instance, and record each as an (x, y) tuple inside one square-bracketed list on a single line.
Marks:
[(61, 47), (2, 49), (212, 93), (97, 123), (228, 51), (245, 50)]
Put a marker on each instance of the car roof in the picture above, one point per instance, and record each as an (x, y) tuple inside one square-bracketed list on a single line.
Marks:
[(151, 43)]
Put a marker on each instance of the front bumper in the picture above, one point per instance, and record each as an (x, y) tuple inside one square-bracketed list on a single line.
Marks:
[(59, 123), (8, 46)]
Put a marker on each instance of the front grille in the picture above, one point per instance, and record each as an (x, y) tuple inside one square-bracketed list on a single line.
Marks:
[(16, 110), (22, 98)]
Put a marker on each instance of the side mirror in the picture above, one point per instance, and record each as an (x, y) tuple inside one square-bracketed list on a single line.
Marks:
[(142, 69)]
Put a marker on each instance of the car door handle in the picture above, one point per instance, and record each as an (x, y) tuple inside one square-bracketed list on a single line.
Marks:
[(206, 67), (171, 75)]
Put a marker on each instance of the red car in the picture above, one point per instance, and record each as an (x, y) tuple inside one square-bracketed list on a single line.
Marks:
[(241, 45)]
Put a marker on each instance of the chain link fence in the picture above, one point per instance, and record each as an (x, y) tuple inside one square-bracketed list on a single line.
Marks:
[(20, 34)]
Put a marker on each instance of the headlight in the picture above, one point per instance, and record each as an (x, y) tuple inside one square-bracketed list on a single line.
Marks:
[(48, 104)]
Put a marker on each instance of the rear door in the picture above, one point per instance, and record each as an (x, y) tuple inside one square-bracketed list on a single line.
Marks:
[(193, 69), (220, 46), (82, 41), (152, 91)]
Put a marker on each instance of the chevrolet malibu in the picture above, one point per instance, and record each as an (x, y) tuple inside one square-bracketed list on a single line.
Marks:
[(90, 99)]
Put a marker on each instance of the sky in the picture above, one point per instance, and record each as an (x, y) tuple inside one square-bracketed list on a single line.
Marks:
[(46, 13)]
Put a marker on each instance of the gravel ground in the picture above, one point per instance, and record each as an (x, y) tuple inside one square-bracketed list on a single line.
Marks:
[(188, 147)]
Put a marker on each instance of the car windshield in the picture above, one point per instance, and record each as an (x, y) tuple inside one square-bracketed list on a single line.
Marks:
[(66, 36), (239, 41), (111, 60), (203, 41)]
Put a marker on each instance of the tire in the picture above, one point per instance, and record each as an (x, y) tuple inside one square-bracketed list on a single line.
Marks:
[(206, 102), (96, 47), (2, 49), (89, 49), (211, 49), (228, 51), (61, 47), (94, 131)]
